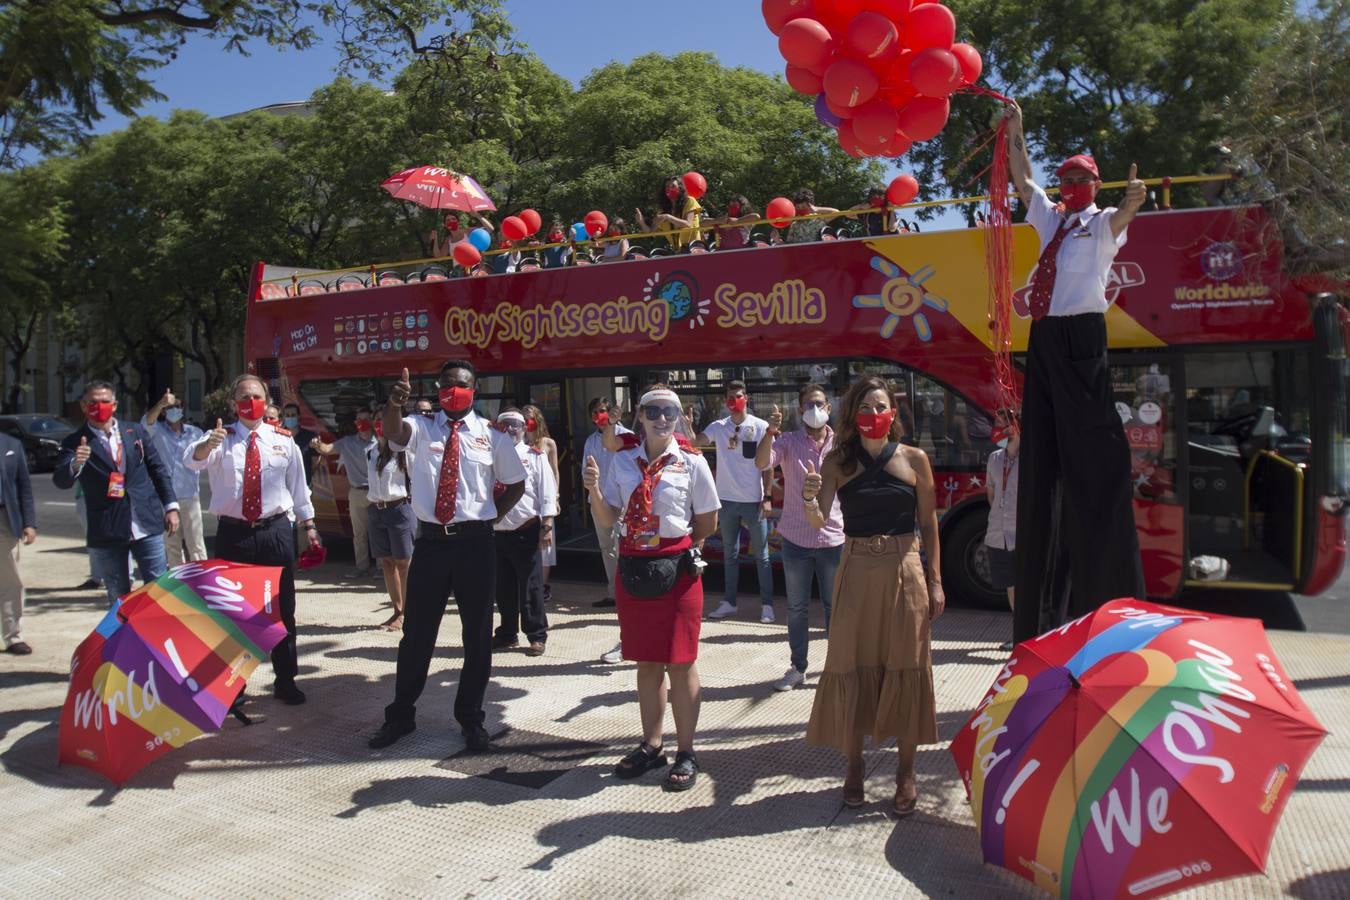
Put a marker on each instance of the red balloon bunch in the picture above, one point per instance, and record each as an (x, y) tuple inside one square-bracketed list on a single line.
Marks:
[(886, 68)]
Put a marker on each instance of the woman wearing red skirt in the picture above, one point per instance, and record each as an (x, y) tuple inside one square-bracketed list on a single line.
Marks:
[(665, 500)]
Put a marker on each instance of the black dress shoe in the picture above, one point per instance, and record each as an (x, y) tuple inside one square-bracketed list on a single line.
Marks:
[(476, 739), (19, 648), (389, 733), (288, 693), (505, 643), (601, 604)]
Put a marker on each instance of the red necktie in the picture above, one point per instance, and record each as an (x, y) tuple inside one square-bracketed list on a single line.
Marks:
[(252, 480), (637, 517), (1043, 282), (445, 493)]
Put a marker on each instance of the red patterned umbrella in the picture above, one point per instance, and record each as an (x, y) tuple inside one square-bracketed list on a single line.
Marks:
[(437, 188)]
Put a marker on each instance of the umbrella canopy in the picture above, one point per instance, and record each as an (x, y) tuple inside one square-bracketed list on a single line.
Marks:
[(437, 188), (1139, 750), (165, 664)]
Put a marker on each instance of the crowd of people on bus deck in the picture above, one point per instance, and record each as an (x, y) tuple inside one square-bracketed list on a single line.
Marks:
[(684, 223)]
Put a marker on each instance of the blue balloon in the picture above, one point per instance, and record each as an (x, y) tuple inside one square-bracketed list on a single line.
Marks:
[(481, 238), (824, 114), (579, 232)]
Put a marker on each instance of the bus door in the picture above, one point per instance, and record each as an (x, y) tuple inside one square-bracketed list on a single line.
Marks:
[(1248, 456)]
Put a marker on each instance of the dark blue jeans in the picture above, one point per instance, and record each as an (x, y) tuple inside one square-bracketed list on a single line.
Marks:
[(730, 517), (110, 565), (800, 564)]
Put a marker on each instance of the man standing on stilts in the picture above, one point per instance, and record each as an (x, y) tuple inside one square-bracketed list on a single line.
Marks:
[(1077, 546)]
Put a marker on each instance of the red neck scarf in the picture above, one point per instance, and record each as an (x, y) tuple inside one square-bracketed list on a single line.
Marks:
[(642, 529)]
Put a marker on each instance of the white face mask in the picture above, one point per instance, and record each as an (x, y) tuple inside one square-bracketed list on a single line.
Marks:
[(815, 417), (174, 414)]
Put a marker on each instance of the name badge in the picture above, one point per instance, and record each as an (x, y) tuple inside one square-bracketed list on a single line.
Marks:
[(646, 533), (117, 485)]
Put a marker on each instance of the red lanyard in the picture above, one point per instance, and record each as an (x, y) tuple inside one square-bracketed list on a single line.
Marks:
[(1008, 463)]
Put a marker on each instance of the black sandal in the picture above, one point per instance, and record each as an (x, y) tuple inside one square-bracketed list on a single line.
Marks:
[(640, 761), (683, 774)]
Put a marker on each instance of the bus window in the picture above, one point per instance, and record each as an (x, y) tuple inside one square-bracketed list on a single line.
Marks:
[(953, 431), (336, 401)]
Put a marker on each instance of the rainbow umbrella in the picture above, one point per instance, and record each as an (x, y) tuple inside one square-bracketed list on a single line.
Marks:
[(165, 664), (1137, 751)]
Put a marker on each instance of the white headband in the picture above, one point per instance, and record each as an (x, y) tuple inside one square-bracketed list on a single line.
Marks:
[(510, 414), (659, 394)]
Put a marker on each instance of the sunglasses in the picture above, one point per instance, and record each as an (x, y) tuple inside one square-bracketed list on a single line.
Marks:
[(513, 427), (656, 413)]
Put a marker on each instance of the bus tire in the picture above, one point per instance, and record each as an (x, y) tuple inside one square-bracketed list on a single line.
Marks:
[(965, 563)]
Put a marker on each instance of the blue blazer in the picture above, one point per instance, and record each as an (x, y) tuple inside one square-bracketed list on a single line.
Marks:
[(149, 485), (15, 489)]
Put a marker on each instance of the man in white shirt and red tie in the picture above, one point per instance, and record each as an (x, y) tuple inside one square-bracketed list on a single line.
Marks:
[(457, 458), (521, 535), (257, 478), (1077, 544)]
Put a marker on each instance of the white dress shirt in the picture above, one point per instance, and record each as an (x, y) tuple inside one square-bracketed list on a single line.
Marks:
[(595, 446), (283, 473), (541, 490), (486, 456), (1083, 263), (686, 488), (1001, 532), (392, 483), (738, 478)]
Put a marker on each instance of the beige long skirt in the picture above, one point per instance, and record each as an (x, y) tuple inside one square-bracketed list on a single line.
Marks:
[(878, 676)]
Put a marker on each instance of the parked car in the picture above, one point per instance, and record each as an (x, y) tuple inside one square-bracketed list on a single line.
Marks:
[(40, 435)]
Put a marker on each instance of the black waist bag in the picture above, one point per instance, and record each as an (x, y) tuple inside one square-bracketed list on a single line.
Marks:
[(646, 577)]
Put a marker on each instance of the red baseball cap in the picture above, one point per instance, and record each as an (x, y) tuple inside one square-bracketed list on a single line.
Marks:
[(1079, 161)]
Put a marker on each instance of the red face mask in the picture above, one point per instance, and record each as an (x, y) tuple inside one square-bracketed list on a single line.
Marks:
[(379, 428), (736, 405), (1077, 196), (529, 424), (555, 237), (874, 425), (272, 420), (363, 426), (456, 400), (601, 418), (672, 192), (101, 411), (734, 210), (252, 408)]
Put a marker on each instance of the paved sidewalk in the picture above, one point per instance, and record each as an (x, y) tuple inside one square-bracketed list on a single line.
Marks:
[(296, 806)]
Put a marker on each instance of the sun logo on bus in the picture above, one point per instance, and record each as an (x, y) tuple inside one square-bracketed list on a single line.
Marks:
[(680, 292), (902, 297)]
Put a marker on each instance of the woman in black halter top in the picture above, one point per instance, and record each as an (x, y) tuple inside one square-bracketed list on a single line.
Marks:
[(878, 676)]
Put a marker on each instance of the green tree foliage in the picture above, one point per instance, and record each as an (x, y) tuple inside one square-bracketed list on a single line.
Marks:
[(1287, 127), (32, 241), (63, 61), (1125, 80)]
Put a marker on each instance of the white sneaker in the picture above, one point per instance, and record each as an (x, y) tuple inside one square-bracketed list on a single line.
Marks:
[(722, 611), (766, 615), (791, 678), (613, 656)]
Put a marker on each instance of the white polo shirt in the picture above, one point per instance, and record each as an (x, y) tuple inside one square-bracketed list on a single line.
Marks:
[(686, 488), (390, 484), (595, 446), (738, 478), (1083, 263), (283, 472), (541, 490), (486, 456)]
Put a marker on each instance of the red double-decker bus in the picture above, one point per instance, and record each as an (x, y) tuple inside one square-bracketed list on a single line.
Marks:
[(1230, 381)]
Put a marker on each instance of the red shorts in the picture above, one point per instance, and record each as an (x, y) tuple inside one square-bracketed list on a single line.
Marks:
[(661, 629)]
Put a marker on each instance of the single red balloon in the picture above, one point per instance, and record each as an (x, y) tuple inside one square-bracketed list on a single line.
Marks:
[(514, 228), (971, 64), (849, 83), (778, 13), (596, 222), (695, 185), (872, 36), (805, 43), (923, 118), (779, 210), (466, 254), (532, 220), (803, 81), (875, 124), (930, 25), (935, 72), (901, 190)]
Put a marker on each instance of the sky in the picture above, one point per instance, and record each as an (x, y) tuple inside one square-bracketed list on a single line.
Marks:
[(570, 41)]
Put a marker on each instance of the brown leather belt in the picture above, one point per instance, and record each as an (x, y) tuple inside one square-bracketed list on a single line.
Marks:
[(389, 504)]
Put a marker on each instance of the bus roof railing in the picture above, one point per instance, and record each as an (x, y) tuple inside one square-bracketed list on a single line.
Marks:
[(379, 272)]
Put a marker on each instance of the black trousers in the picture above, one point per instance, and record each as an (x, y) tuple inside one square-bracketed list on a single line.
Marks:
[(272, 544), (467, 564), (1077, 546), (520, 584)]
